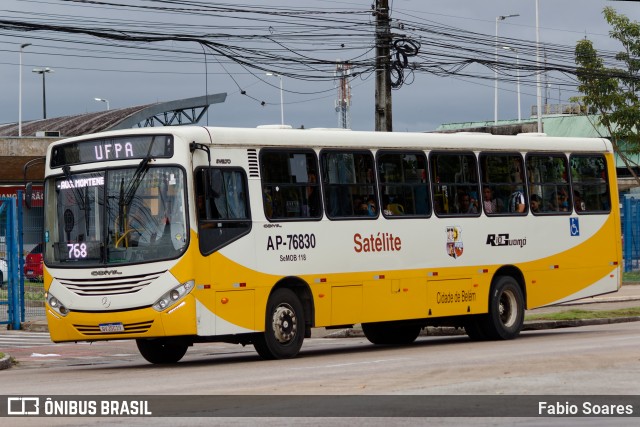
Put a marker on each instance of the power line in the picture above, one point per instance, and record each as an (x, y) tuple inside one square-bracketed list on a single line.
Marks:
[(299, 43)]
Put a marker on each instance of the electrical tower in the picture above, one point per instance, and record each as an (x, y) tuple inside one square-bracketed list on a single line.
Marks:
[(343, 103)]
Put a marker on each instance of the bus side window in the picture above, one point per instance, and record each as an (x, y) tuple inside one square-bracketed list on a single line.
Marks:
[(403, 184), (290, 187), (222, 207), (590, 184), (349, 183), (549, 181), (503, 184), (454, 176), (222, 195)]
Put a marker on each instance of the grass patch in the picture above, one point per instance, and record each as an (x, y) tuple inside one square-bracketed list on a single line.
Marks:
[(586, 314), (632, 276), (33, 291)]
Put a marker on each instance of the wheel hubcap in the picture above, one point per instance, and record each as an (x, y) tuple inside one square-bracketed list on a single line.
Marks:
[(507, 309), (285, 323)]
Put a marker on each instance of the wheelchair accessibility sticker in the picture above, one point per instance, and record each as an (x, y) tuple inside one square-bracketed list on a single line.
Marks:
[(575, 226)]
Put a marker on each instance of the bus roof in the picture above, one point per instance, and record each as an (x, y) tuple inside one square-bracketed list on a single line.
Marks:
[(422, 141), (337, 138)]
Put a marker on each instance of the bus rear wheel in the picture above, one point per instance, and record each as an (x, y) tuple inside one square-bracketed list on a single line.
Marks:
[(506, 310), (284, 327), (161, 350), (391, 333)]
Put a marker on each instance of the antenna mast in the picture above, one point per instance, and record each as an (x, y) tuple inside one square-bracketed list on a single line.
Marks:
[(343, 103)]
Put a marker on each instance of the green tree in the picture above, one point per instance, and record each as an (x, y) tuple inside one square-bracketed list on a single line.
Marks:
[(611, 93)]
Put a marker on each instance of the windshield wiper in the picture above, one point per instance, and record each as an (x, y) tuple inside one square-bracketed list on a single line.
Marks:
[(138, 175), (126, 196)]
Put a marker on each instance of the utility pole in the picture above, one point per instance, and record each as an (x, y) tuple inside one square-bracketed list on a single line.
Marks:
[(343, 103), (384, 122), (538, 88)]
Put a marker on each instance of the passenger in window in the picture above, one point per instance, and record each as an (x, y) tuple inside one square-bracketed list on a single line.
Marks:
[(371, 207), (558, 201), (516, 170), (535, 203), (578, 204), (359, 206), (312, 208), (516, 202), (489, 202), (563, 200), (268, 203), (370, 176), (393, 207), (200, 206), (467, 206), (437, 206)]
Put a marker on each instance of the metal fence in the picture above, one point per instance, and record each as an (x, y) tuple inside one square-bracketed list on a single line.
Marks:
[(631, 232), (31, 229), (11, 286), (21, 231)]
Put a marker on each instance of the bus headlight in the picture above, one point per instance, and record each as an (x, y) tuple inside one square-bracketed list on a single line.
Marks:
[(56, 305), (174, 295)]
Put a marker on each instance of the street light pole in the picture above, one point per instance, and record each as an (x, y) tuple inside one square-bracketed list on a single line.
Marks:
[(514, 50), (103, 100), (538, 86), (43, 71), (281, 97), (22, 46), (495, 69)]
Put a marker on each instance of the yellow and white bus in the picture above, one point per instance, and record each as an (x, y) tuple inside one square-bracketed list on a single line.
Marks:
[(180, 235)]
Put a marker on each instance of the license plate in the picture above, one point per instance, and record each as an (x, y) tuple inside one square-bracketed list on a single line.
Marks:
[(29, 272), (111, 327)]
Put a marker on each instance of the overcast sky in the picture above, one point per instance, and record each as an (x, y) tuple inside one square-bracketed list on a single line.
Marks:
[(128, 77)]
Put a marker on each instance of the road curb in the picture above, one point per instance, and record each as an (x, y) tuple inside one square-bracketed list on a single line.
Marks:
[(534, 325), (5, 362), (556, 324), (35, 326)]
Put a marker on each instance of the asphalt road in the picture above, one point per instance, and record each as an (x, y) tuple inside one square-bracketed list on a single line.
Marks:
[(589, 360)]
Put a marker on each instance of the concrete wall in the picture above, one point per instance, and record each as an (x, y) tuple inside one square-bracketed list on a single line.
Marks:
[(15, 152)]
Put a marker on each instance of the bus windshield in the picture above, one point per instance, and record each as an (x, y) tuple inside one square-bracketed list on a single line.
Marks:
[(118, 216)]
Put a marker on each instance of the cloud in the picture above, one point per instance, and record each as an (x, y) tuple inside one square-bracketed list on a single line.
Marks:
[(137, 73)]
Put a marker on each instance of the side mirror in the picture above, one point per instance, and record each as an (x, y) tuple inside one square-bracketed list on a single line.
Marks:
[(28, 194), (28, 190)]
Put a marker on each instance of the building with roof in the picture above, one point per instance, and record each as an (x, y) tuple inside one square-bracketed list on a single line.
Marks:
[(18, 151)]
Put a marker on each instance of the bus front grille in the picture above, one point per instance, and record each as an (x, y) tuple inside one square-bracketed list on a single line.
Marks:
[(109, 285), (129, 328)]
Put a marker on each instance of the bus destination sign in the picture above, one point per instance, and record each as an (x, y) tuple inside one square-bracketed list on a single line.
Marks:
[(107, 149)]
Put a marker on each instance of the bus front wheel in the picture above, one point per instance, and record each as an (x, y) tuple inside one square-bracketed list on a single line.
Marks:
[(284, 327), (161, 350), (506, 310)]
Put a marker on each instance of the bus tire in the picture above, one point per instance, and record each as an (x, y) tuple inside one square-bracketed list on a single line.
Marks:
[(506, 310), (284, 327), (391, 333), (161, 350), (474, 327)]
